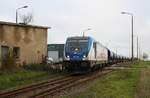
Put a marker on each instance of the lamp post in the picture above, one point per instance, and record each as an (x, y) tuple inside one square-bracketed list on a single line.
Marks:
[(137, 48), (132, 32), (85, 31), (17, 12)]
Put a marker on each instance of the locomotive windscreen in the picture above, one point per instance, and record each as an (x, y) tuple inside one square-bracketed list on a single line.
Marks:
[(77, 44)]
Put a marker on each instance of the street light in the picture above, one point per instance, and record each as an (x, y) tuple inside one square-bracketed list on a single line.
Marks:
[(17, 12), (85, 31), (137, 48), (132, 32)]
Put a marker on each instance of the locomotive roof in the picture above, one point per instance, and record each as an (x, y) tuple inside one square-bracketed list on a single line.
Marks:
[(85, 37), (79, 37)]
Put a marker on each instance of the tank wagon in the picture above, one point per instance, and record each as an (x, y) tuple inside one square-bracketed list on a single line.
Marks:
[(83, 54)]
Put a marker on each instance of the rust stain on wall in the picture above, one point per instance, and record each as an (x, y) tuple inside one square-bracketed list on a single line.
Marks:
[(27, 38), (1, 32), (17, 34)]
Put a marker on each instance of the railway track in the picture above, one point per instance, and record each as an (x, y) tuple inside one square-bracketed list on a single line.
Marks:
[(27, 91), (52, 91), (52, 87)]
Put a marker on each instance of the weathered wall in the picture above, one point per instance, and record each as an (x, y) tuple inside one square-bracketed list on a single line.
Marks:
[(31, 40), (0, 58)]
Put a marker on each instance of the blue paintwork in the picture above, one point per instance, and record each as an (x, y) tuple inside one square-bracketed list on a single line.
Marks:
[(78, 56)]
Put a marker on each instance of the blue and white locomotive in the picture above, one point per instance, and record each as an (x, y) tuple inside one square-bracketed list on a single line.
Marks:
[(82, 54)]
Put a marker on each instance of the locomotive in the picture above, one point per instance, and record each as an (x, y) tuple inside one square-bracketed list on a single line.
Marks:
[(83, 54)]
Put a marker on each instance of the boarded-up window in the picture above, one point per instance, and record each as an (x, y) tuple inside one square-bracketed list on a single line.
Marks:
[(5, 52), (16, 52)]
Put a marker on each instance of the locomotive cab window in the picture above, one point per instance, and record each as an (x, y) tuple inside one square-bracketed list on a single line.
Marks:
[(77, 44)]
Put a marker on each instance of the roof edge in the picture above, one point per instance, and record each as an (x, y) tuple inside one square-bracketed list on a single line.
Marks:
[(23, 25)]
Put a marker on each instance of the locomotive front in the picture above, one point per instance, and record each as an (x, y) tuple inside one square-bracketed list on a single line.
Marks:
[(76, 52)]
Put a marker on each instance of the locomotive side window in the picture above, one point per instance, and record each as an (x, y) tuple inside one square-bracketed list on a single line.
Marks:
[(94, 46)]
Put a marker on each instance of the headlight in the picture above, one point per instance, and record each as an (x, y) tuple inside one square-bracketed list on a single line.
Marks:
[(68, 57), (84, 56)]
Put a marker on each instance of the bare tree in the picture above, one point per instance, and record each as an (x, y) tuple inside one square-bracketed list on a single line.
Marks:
[(26, 19)]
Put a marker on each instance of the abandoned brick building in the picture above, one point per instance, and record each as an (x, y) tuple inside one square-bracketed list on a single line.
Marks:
[(28, 43)]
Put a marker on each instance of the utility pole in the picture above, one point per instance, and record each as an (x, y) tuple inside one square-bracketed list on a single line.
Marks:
[(137, 48), (132, 40), (116, 50)]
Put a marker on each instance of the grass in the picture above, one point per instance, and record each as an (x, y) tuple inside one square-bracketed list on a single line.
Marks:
[(128, 83), (143, 88), (15, 79)]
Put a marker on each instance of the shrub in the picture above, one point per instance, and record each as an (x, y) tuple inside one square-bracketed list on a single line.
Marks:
[(9, 63)]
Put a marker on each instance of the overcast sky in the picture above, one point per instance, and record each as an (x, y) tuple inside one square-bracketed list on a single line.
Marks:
[(72, 17)]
